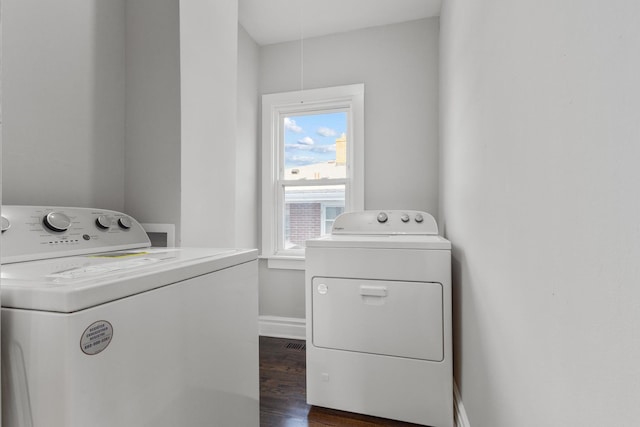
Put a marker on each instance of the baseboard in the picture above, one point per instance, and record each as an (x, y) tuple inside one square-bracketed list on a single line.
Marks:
[(459, 414), (282, 327)]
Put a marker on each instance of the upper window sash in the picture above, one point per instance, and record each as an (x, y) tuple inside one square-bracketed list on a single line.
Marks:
[(315, 109)]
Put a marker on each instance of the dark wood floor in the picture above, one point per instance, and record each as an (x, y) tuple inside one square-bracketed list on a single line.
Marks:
[(283, 391)]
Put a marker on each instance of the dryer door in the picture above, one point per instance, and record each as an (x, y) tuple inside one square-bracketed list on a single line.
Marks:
[(391, 318)]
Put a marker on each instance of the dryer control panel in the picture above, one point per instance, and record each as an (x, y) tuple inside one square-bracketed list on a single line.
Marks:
[(40, 232), (385, 222)]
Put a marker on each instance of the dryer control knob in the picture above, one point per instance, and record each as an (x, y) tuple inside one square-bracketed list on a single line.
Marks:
[(404, 218), (419, 218), (124, 222), (104, 222), (56, 221), (5, 224), (382, 217)]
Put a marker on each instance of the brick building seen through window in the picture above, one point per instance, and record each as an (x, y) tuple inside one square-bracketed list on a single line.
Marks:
[(309, 220)]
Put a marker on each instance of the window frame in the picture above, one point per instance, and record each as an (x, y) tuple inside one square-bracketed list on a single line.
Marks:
[(274, 107)]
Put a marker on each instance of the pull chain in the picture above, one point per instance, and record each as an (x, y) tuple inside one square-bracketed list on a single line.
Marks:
[(301, 46)]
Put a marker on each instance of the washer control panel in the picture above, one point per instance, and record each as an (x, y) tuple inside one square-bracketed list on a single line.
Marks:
[(385, 222), (39, 232)]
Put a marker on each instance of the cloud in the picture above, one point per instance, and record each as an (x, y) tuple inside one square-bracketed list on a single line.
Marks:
[(303, 147), (307, 140), (291, 125), (324, 148), (310, 147), (324, 131), (302, 160)]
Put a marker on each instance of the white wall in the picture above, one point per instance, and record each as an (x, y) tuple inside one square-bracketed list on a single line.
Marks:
[(540, 147), (152, 153), (399, 66), (247, 142), (63, 102), (208, 81)]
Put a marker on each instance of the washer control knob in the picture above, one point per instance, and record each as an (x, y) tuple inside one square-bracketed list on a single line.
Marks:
[(419, 218), (104, 222), (5, 224), (404, 217), (56, 221), (124, 222), (382, 217)]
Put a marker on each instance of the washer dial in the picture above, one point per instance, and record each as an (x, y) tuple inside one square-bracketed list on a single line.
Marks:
[(125, 222), (56, 221), (5, 224), (104, 222)]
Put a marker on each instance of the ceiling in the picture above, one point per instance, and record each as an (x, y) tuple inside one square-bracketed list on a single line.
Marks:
[(277, 21)]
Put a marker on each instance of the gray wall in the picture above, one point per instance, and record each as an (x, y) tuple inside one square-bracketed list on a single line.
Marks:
[(247, 170), (208, 87), (399, 66), (152, 152), (63, 100), (183, 152), (540, 147)]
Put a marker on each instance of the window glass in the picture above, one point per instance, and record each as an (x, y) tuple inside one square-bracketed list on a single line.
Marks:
[(306, 211), (315, 145), (330, 215)]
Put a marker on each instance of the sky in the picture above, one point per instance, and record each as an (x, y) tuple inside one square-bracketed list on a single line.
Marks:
[(311, 138)]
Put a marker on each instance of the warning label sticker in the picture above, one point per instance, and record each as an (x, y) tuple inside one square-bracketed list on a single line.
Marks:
[(96, 337)]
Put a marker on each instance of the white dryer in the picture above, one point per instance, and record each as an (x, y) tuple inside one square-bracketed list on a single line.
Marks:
[(378, 304), (100, 330)]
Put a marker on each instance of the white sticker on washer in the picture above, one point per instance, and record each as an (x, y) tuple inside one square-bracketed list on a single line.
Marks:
[(96, 337)]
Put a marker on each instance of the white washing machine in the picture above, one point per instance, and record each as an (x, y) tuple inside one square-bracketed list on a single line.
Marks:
[(100, 330), (378, 304)]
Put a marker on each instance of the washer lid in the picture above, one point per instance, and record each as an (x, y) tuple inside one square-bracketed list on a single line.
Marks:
[(75, 283)]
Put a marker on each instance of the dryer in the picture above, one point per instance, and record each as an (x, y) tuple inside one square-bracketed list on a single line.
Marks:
[(101, 330), (378, 318)]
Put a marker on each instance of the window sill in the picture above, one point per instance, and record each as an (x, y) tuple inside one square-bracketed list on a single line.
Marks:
[(284, 262)]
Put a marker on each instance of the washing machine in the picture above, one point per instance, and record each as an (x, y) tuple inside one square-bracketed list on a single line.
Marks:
[(378, 318), (101, 330)]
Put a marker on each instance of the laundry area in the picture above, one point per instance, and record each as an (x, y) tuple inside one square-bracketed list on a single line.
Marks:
[(431, 202)]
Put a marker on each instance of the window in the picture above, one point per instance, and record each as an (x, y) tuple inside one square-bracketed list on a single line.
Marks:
[(329, 214), (312, 165)]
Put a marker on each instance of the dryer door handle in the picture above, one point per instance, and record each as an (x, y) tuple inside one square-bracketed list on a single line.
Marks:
[(373, 291)]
